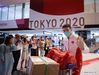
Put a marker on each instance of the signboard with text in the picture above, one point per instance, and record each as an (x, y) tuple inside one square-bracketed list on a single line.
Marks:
[(46, 14)]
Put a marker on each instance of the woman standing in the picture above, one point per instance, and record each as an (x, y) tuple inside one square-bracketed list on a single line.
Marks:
[(24, 57), (9, 60), (1, 56), (17, 52), (33, 46)]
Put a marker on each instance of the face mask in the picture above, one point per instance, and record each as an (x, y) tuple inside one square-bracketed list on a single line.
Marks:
[(67, 34)]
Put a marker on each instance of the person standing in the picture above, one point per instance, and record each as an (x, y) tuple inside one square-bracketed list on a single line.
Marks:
[(17, 52), (41, 51), (25, 55), (47, 45), (2, 56), (8, 47), (72, 45), (33, 46)]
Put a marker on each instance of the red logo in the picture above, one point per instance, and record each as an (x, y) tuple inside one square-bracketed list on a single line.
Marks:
[(58, 7)]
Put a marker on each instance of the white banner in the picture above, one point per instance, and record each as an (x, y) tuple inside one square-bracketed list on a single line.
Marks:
[(44, 21)]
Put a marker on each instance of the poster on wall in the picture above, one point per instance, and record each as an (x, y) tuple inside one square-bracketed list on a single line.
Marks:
[(46, 14), (55, 13), (15, 24)]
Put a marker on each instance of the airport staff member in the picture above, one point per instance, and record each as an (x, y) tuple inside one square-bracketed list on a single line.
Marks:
[(72, 45)]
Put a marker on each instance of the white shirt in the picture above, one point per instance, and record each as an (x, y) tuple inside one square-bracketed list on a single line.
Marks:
[(70, 44)]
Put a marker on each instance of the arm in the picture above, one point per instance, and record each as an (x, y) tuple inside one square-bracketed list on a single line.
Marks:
[(80, 43), (2, 53)]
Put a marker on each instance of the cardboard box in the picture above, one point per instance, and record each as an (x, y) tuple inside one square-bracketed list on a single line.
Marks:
[(43, 66), (52, 66)]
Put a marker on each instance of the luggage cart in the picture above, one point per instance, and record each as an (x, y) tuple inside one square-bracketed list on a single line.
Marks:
[(70, 69)]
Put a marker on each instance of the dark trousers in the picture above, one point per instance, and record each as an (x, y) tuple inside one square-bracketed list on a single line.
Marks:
[(16, 55)]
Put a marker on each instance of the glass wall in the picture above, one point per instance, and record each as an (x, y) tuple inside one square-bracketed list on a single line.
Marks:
[(26, 10), (11, 12), (17, 11), (4, 13), (0, 13)]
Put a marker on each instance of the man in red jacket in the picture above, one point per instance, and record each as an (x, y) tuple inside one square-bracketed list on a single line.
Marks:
[(73, 45)]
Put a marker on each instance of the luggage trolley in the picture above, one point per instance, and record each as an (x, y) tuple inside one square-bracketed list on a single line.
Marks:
[(70, 68), (68, 71)]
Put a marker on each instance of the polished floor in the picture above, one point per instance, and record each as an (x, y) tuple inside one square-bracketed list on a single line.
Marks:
[(90, 64)]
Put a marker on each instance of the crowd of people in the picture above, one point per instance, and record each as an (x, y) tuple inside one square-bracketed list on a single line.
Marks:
[(15, 51)]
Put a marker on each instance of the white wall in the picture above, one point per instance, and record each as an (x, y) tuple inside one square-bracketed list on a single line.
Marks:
[(91, 10)]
